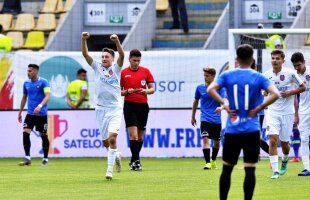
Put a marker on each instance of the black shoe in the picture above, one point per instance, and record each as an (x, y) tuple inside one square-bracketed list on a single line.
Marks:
[(44, 163), (186, 30), (132, 166), (25, 162), (138, 166), (174, 27)]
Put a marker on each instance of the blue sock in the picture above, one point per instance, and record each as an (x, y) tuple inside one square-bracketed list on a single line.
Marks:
[(296, 142)]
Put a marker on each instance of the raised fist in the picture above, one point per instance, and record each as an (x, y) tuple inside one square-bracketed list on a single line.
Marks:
[(85, 35), (114, 37)]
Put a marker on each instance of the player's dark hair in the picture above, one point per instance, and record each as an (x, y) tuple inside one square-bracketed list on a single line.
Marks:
[(110, 51), (297, 57), (80, 71), (278, 52), (1, 28), (134, 53), (209, 70), (35, 66), (245, 54)]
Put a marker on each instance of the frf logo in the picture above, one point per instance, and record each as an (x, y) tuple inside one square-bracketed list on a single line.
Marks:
[(56, 128)]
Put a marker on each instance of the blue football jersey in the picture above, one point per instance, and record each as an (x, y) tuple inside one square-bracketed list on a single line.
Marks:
[(34, 90), (243, 90), (208, 105)]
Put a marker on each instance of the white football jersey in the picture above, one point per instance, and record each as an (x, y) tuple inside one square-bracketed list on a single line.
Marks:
[(285, 80), (107, 85), (304, 102)]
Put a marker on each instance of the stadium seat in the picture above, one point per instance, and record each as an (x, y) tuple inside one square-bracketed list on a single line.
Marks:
[(24, 22), (61, 18), (46, 22), (12, 6), (162, 5), (308, 41), (68, 5), (49, 6), (35, 40), (6, 20), (50, 37), (17, 39)]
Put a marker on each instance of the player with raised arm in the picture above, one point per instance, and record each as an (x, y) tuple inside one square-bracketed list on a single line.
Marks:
[(280, 115), (108, 98), (243, 88), (303, 72)]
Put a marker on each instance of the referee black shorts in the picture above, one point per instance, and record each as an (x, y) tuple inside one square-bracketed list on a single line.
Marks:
[(234, 143), (136, 114), (40, 122)]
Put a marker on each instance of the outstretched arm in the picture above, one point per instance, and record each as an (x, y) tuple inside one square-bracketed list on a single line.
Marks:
[(120, 50), (88, 58)]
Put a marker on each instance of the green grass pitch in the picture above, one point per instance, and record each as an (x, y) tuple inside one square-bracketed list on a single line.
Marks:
[(183, 178)]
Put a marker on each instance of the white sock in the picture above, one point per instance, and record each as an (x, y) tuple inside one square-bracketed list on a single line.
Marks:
[(305, 161), (111, 159), (46, 159), (284, 158), (305, 153), (28, 157), (274, 163)]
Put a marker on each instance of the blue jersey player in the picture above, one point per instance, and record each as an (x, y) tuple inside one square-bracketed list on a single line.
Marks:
[(37, 91), (210, 126), (243, 88)]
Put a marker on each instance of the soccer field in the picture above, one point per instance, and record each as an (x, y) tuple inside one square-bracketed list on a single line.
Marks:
[(183, 178)]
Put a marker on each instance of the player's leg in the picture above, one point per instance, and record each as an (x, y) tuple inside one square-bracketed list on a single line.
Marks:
[(231, 151), (27, 127), (251, 147), (295, 143), (304, 126), (142, 114), (215, 134), (284, 136), (273, 129), (205, 144), (42, 126), (131, 121)]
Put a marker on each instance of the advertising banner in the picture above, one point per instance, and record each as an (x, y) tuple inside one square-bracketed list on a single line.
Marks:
[(169, 133)]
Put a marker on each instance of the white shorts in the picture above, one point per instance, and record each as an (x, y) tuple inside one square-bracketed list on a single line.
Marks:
[(281, 125), (304, 126), (108, 120)]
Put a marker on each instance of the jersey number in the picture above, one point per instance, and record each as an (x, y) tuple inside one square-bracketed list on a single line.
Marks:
[(246, 97)]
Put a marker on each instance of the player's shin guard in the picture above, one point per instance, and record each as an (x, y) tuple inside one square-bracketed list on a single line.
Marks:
[(45, 145), (214, 153), (249, 182), (296, 142), (206, 154), (225, 181), (26, 143), (111, 159)]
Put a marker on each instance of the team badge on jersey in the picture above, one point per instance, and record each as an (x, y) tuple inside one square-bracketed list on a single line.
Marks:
[(282, 77), (108, 73), (307, 77), (143, 82)]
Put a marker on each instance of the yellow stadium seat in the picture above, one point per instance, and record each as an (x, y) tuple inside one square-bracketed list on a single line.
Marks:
[(68, 5), (61, 18), (46, 22), (308, 41), (5, 44), (162, 5), (49, 6), (24, 22), (35, 40), (6, 20), (17, 39), (50, 37)]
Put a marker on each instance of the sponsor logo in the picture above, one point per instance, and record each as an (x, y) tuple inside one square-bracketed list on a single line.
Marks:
[(57, 127)]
